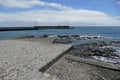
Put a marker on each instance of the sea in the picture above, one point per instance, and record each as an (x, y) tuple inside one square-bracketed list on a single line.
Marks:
[(107, 32)]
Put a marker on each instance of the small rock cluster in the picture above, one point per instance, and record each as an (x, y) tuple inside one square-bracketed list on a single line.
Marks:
[(66, 39), (33, 36)]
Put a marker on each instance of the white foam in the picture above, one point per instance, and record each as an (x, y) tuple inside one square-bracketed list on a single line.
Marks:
[(106, 59)]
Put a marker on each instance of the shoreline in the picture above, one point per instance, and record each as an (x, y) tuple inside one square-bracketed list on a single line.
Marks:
[(53, 67), (63, 39)]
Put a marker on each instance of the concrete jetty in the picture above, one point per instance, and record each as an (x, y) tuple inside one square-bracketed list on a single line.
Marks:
[(21, 59), (33, 28)]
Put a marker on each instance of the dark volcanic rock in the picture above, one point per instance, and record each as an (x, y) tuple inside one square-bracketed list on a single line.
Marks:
[(105, 52), (27, 36), (63, 36), (94, 49), (66, 39), (44, 36), (63, 41), (75, 36)]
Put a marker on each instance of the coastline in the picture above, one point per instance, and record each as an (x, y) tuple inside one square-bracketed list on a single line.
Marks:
[(59, 68)]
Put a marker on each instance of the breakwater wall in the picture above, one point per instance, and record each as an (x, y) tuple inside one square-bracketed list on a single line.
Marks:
[(33, 28)]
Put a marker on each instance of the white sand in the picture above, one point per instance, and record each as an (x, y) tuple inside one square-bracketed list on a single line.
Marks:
[(21, 60)]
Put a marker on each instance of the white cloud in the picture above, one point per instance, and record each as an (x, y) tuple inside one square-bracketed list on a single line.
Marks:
[(117, 17), (62, 17), (29, 4), (65, 16)]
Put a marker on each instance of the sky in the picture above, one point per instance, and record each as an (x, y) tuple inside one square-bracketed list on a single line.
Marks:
[(26, 13)]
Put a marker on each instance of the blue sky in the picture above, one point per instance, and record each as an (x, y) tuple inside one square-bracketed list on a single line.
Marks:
[(62, 12), (108, 6)]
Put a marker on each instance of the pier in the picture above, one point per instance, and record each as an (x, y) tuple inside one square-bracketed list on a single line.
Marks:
[(33, 28)]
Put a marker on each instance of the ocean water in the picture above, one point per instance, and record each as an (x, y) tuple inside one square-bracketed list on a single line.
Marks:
[(109, 32)]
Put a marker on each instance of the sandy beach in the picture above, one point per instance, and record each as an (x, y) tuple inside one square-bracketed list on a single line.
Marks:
[(21, 59)]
